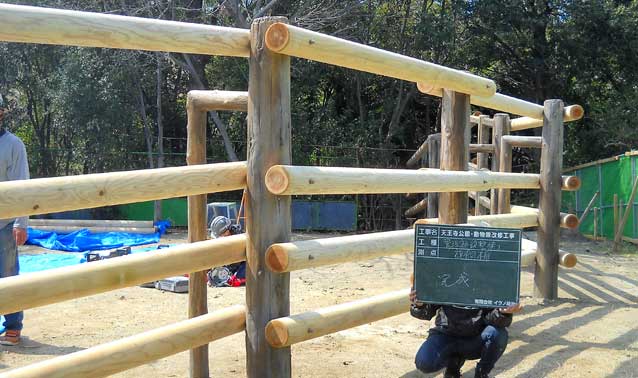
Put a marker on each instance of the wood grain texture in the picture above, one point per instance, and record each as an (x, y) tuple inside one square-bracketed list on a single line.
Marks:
[(294, 180), (570, 113), (546, 272), (417, 208), (302, 43), (455, 153), (140, 349), (286, 257), (268, 218), (498, 131), (51, 195), (217, 100), (197, 224), (502, 125), (73, 28), (294, 329), (434, 162), (57, 285), (483, 137)]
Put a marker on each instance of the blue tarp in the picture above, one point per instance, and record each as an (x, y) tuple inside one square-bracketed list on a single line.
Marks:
[(85, 240)]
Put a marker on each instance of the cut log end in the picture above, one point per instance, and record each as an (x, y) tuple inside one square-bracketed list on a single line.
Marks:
[(276, 334), (571, 183), (427, 88), (570, 221), (574, 112), (568, 260), (277, 37), (277, 258), (277, 180)]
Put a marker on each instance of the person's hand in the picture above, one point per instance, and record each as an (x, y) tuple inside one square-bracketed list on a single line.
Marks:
[(20, 235), (511, 309), (413, 298)]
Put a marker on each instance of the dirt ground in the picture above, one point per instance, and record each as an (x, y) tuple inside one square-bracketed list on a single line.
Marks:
[(591, 331)]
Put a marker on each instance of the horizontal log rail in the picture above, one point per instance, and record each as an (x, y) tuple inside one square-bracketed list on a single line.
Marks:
[(137, 350), (306, 254), (294, 41), (217, 100), (529, 249), (566, 220), (55, 194), (474, 120), (62, 284), (571, 113), (283, 332), (286, 257), (486, 148), (522, 141), (293, 180), (73, 28), (495, 220), (506, 104)]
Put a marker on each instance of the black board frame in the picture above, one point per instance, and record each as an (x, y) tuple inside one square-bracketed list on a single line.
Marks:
[(478, 302)]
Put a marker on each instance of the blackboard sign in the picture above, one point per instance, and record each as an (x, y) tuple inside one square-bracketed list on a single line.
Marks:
[(465, 265)]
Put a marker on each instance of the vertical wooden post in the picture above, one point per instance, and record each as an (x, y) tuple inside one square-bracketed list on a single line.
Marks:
[(546, 273), (197, 222), (434, 149), (481, 158), (267, 216), (505, 160), (498, 130), (615, 213), (455, 152)]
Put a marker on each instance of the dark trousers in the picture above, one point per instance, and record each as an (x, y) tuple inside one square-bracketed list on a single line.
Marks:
[(439, 349), (9, 266)]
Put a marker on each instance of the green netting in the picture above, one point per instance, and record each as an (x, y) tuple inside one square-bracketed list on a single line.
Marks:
[(616, 177)]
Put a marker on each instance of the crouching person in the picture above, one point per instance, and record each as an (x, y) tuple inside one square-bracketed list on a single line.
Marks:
[(461, 333)]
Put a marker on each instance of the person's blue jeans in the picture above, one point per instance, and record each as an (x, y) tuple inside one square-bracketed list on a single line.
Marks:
[(9, 266), (439, 349)]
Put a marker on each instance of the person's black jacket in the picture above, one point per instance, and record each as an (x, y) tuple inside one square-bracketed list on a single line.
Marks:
[(461, 321)]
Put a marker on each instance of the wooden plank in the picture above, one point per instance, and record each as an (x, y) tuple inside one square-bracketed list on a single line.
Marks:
[(56, 194), (590, 164), (73, 28), (546, 272), (267, 216), (455, 141), (217, 100), (623, 220), (302, 43), (434, 161), (197, 224), (502, 122), (57, 285), (523, 141), (120, 355), (615, 214), (596, 222), (483, 148)]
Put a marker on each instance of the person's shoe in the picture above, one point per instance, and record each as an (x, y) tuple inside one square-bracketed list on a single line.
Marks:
[(10, 338), (453, 369), (479, 373)]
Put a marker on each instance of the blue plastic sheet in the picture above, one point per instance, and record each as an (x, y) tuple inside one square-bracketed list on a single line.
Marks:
[(85, 240)]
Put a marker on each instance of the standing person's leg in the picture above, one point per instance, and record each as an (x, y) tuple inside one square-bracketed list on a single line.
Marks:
[(436, 352), (488, 347), (9, 266)]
